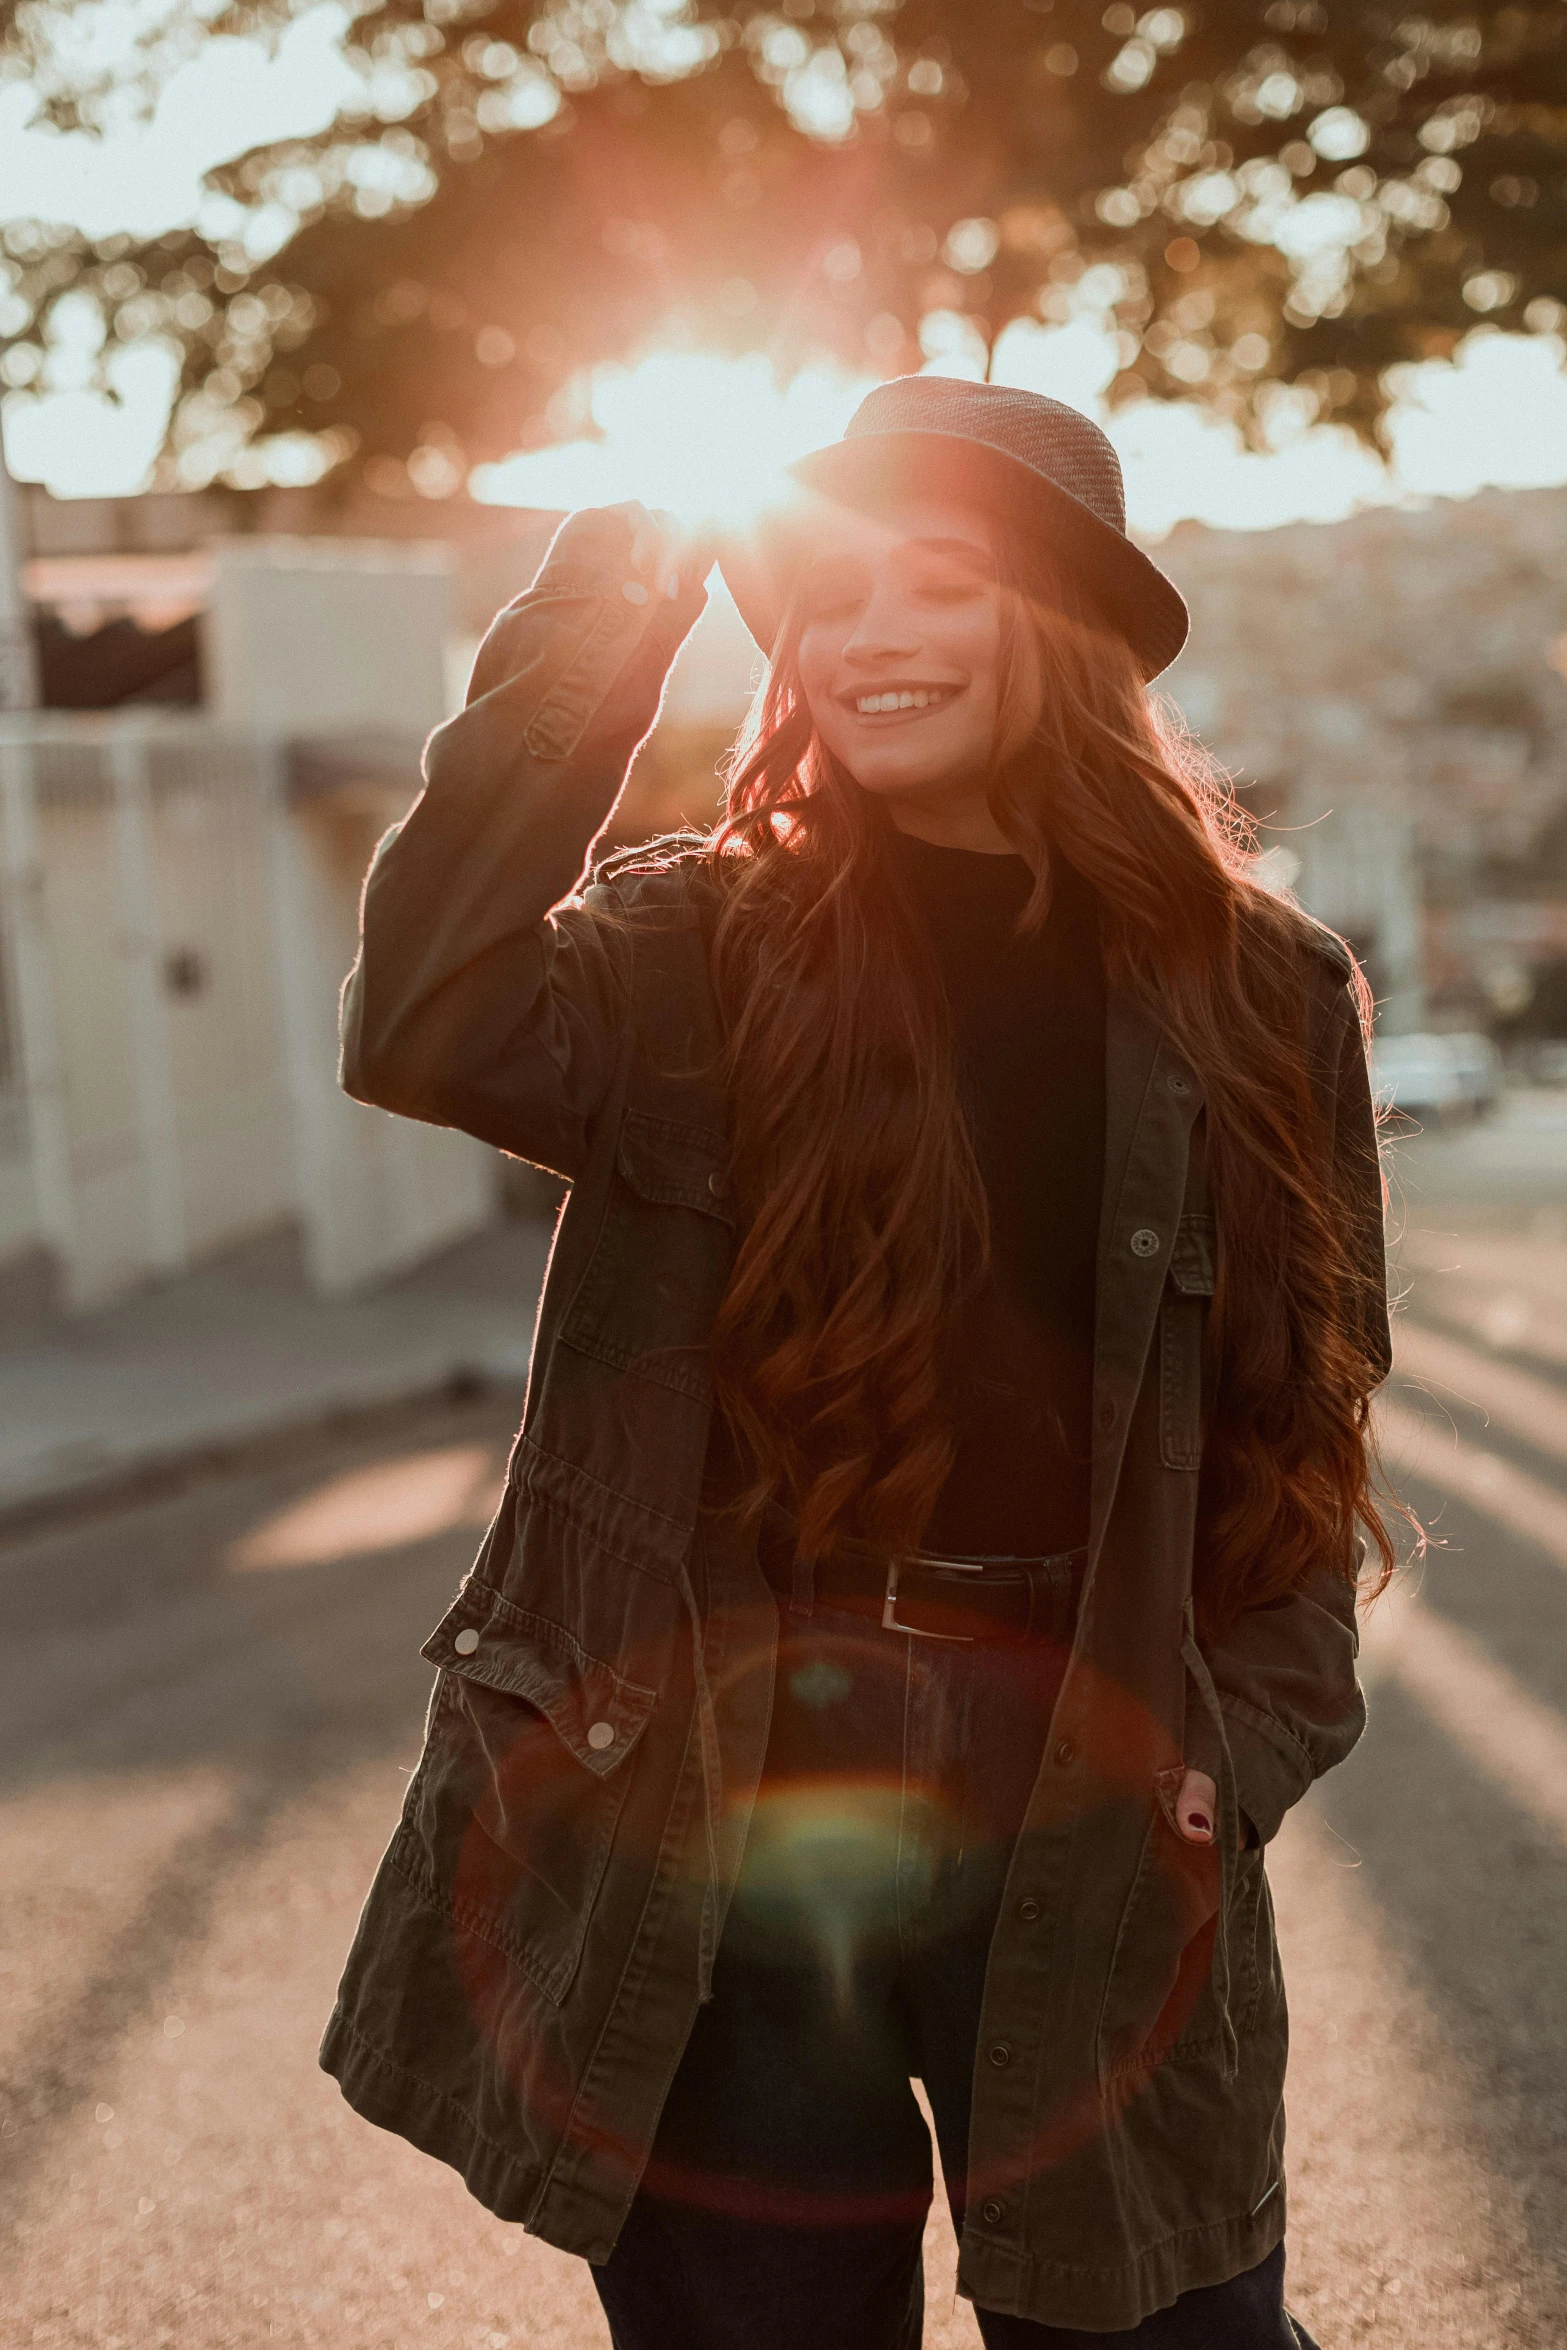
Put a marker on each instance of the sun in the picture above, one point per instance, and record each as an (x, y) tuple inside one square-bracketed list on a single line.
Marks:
[(704, 436)]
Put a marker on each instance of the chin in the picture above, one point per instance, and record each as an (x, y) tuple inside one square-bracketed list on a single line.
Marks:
[(892, 783), (889, 767), (892, 778)]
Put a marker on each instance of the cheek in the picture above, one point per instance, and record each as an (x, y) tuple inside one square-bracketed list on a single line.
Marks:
[(967, 640), (1028, 694), (818, 657), (978, 650), (815, 669)]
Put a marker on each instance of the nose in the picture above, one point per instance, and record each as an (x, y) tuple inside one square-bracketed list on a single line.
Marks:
[(885, 630)]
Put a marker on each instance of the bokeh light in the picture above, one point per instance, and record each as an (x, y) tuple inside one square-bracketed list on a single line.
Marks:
[(144, 174)]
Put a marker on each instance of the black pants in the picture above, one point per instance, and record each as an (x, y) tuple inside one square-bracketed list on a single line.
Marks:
[(785, 2201)]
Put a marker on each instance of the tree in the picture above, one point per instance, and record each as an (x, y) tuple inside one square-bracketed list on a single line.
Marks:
[(1253, 195)]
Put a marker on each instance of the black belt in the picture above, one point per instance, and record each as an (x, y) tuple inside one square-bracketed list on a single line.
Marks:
[(941, 1598)]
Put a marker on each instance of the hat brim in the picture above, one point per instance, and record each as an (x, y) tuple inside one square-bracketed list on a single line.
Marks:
[(1132, 592)]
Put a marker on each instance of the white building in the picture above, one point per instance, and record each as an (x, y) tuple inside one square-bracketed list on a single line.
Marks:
[(178, 895)]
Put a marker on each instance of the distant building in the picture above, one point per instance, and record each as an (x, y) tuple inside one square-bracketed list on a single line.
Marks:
[(1391, 695)]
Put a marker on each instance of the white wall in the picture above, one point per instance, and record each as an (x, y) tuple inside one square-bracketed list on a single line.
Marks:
[(309, 636), (378, 1193), (176, 935)]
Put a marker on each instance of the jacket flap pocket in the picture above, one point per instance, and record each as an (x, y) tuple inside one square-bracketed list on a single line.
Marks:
[(678, 1166), (1192, 1258), (483, 1639)]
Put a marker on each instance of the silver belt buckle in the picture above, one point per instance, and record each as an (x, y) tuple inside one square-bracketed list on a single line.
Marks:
[(889, 1605)]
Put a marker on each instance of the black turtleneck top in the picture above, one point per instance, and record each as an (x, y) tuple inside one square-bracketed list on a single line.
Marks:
[(1028, 1018)]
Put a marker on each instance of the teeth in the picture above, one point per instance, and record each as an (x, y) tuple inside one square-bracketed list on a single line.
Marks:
[(914, 698)]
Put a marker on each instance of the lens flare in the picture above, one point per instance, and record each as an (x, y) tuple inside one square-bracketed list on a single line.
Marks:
[(831, 1863)]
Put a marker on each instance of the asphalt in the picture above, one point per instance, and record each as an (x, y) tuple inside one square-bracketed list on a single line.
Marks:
[(212, 1697)]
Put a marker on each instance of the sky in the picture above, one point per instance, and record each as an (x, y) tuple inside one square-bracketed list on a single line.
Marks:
[(1497, 416)]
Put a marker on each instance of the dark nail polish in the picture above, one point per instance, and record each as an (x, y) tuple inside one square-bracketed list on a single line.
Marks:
[(1201, 1820)]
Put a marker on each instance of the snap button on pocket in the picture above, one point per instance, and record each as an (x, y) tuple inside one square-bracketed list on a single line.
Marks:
[(600, 1735), (718, 1183), (1180, 1084), (1144, 1242), (991, 2213), (1065, 1753), (466, 1642), (1000, 2055), (1028, 1909)]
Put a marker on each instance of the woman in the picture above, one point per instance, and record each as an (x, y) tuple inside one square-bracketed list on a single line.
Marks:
[(926, 1572)]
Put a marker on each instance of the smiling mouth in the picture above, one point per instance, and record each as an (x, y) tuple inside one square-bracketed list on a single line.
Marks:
[(901, 701)]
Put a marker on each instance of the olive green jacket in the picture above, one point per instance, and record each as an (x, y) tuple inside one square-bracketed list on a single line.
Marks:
[(536, 1942)]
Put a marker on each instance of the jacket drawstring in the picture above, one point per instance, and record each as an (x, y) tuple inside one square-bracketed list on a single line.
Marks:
[(1228, 1831), (712, 1791)]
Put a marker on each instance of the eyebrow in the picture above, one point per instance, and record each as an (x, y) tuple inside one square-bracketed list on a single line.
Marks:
[(965, 549)]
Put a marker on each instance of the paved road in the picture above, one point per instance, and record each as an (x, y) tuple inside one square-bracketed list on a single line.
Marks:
[(212, 1701)]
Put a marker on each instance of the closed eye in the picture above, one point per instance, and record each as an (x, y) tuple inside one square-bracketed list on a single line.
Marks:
[(831, 589), (953, 582)]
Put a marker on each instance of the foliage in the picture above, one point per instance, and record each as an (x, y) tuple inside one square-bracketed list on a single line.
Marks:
[(1254, 196)]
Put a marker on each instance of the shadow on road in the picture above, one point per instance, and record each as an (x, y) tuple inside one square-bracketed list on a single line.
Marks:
[(135, 1645), (1474, 1896)]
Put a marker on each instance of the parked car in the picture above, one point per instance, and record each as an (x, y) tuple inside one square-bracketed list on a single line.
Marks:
[(1437, 1079)]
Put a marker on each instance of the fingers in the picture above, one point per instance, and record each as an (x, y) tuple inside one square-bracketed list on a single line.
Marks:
[(644, 543), (664, 552), (1197, 1807), (645, 538)]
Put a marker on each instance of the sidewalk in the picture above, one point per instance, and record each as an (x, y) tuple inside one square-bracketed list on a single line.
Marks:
[(242, 1352)]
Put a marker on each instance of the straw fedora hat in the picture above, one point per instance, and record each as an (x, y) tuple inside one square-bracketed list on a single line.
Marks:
[(1033, 462)]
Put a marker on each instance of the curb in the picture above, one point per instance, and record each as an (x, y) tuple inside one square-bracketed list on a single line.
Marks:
[(152, 1476)]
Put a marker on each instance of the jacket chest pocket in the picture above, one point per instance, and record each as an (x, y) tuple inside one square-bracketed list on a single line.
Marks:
[(662, 1256), (1183, 1320), (512, 1814)]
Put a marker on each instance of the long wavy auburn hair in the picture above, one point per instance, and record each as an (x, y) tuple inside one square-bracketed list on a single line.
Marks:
[(863, 1218)]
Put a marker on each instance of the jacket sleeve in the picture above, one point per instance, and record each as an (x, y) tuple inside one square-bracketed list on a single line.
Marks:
[(1285, 1672), (1292, 1707), (486, 993)]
